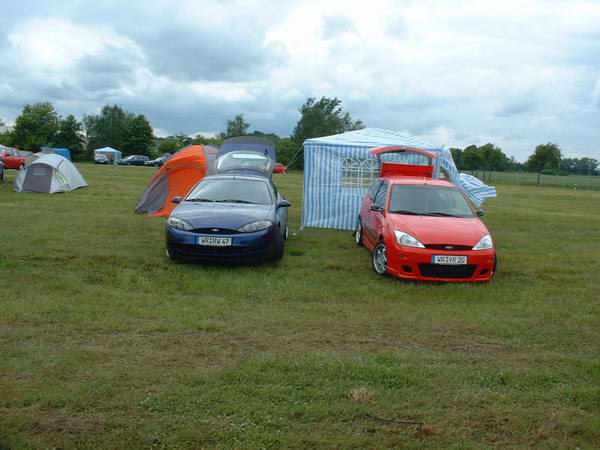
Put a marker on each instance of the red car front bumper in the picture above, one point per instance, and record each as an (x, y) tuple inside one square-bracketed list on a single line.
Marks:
[(416, 264)]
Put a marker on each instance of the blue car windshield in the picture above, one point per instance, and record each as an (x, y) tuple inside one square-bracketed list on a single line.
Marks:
[(428, 201), (231, 190)]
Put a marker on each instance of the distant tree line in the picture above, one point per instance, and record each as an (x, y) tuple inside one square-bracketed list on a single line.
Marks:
[(322, 117), (39, 125), (546, 159), (114, 127)]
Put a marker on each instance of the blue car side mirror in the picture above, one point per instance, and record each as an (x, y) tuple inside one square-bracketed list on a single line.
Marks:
[(176, 199), (284, 204)]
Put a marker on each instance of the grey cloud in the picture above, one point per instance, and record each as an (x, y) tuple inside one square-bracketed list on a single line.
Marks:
[(172, 45), (205, 52), (337, 24), (396, 27), (583, 49), (516, 106), (108, 70)]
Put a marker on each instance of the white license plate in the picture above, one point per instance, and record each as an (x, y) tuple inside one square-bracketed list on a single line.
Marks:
[(214, 241), (450, 260)]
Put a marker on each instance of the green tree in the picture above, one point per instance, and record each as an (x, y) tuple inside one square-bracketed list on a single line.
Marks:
[(36, 126), (70, 135), (168, 145), (587, 166), (513, 165), (488, 158), (471, 158), (206, 140), (288, 153), (174, 143), (323, 117), (7, 137), (236, 127), (545, 157), (107, 129), (139, 136), (457, 157), (285, 148)]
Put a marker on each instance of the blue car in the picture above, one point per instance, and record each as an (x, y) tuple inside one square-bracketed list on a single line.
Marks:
[(229, 217)]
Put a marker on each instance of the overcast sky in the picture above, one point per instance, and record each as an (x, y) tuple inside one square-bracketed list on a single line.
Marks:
[(516, 73)]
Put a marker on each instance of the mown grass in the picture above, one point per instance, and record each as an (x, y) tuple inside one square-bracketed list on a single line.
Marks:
[(105, 343), (575, 182)]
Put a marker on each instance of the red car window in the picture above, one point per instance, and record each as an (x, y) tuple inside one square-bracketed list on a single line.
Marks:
[(381, 195)]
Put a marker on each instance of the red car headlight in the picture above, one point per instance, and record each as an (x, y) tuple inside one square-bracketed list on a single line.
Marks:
[(406, 239), (485, 243)]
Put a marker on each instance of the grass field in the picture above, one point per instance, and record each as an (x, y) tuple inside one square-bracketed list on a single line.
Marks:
[(104, 343), (575, 182)]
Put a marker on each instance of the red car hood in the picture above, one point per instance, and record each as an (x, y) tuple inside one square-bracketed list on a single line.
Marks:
[(440, 230)]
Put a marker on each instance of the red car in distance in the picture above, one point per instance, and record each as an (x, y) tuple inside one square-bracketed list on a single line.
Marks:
[(12, 158), (419, 228), (279, 168)]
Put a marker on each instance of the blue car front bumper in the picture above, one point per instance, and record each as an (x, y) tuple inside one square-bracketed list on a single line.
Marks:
[(245, 247)]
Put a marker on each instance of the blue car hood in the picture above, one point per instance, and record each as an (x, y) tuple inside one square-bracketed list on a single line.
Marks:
[(222, 215)]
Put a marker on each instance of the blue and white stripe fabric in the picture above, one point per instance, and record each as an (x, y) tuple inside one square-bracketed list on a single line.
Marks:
[(331, 202), (475, 189)]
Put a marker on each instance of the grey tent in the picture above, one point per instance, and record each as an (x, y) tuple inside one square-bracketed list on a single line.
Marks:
[(49, 174)]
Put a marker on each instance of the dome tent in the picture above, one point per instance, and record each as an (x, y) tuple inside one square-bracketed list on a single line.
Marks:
[(49, 174), (176, 177)]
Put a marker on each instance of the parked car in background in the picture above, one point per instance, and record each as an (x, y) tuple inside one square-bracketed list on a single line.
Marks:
[(12, 158), (420, 228), (133, 160), (158, 161), (280, 168), (101, 158), (25, 153)]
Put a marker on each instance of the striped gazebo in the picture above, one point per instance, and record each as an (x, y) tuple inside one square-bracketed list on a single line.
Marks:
[(339, 169)]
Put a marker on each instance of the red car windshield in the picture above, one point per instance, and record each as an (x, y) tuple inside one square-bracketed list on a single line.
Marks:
[(428, 201)]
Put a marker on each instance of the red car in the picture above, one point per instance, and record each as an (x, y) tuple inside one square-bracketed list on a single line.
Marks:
[(12, 158), (419, 228), (279, 168)]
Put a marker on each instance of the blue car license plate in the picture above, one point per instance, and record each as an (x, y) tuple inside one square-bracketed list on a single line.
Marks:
[(449, 260), (214, 241)]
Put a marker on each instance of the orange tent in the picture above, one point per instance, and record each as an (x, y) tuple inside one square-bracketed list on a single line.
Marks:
[(175, 178)]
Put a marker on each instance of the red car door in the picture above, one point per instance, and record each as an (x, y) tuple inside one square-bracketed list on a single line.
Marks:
[(366, 205), (375, 216)]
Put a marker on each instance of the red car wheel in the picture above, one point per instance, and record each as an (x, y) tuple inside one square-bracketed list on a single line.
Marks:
[(380, 258), (358, 233)]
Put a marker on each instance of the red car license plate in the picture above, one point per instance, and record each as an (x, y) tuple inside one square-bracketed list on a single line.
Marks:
[(449, 260)]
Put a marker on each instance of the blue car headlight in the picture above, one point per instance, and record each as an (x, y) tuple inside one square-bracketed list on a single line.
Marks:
[(178, 223), (255, 226)]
